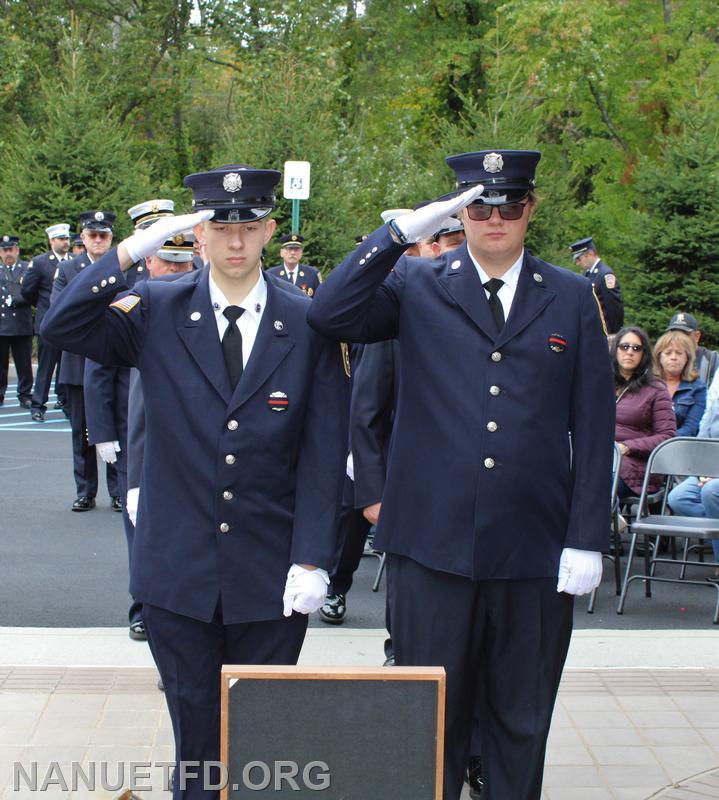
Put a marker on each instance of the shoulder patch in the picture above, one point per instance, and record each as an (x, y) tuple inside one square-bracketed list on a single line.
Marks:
[(610, 279), (344, 347), (126, 303)]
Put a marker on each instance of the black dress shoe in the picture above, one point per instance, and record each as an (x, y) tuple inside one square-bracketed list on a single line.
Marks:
[(83, 504), (59, 405), (25, 402), (38, 416), (160, 685), (389, 662), (116, 504), (334, 609), (137, 631), (474, 777)]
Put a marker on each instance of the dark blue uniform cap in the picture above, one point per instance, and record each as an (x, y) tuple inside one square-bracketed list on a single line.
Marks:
[(507, 175), (7, 241), (291, 240), (236, 192), (97, 221), (582, 246), (77, 240)]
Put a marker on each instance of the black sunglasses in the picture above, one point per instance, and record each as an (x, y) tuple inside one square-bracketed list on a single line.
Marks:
[(636, 348), (483, 211)]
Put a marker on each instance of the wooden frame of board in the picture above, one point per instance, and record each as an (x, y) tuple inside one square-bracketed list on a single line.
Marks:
[(232, 672)]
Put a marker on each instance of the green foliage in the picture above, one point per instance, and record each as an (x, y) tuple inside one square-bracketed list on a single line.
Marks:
[(76, 158)]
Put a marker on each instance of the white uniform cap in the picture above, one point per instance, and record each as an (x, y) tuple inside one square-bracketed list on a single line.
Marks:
[(144, 214), (393, 213), (179, 248), (450, 225), (59, 231)]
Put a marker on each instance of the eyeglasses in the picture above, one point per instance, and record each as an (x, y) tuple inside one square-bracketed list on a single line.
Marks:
[(483, 211), (635, 348)]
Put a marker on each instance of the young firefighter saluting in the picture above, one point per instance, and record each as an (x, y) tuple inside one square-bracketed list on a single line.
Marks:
[(246, 436), (491, 518)]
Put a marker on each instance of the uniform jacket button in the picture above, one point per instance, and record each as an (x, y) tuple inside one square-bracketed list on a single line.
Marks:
[(494, 390), (224, 527), (496, 356), (230, 459), (227, 495), (489, 463), (233, 425), (492, 426)]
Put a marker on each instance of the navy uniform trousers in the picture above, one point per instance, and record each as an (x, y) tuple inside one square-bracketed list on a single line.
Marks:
[(48, 364)]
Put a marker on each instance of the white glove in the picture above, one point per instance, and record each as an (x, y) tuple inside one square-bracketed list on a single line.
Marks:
[(580, 571), (131, 502), (426, 221), (148, 241), (305, 590), (8, 301), (108, 451)]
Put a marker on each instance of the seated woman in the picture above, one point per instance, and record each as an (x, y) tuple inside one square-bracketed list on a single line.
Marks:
[(645, 416), (674, 355)]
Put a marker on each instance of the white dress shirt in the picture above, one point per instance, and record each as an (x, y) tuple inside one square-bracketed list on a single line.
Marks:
[(510, 278), (254, 305)]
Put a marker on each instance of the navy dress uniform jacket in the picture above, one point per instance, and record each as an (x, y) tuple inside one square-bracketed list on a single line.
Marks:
[(482, 481), (72, 365), (308, 278), (16, 319), (238, 491), (38, 282), (609, 294)]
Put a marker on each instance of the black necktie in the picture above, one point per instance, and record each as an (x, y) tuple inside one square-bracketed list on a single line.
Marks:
[(232, 345), (493, 285)]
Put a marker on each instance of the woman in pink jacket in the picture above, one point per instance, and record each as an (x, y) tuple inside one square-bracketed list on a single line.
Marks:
[(645, 416)]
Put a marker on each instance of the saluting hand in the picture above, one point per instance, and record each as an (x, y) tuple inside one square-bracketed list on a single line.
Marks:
[(148, 241), (426, 221)]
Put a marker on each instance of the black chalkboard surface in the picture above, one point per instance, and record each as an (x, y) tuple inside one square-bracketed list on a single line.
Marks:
[(332, 733)]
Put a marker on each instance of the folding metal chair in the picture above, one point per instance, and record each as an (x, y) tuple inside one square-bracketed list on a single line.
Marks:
[(616, 538), (682, 456)]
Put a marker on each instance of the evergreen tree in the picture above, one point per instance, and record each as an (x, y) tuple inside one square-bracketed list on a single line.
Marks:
[(678, 257), (76, 158)]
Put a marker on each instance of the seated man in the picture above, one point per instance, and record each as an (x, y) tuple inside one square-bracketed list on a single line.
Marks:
[(699, 497)]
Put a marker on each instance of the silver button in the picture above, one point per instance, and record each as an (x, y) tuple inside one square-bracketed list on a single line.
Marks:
[(95, 290), (489, 463), (224, 527), (361, 261), (496, 356), (492, 426), (494, 390), (233, 425), (227, 495), (374, 249), (368, 255), (103, 283), (112, 279), (230, 459)]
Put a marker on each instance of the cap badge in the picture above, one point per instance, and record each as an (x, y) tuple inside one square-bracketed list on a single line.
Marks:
[(195, 316), (557, 343), (155, 207), (6, 238), (99, 216), (277, 401), (680, 317), (493, 162), (278, 325), (232, 182), (178, 239)]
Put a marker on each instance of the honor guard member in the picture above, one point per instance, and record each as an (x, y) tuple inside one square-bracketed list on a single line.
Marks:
[(37, 289), (245, 447), (78, 246), (15, 321), (304, 276), (486, 548), (96, 233), (450, 235), (604, 281)]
